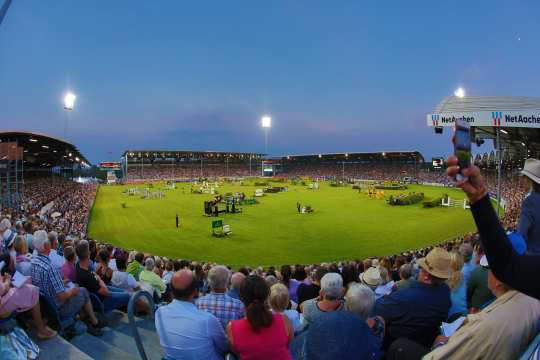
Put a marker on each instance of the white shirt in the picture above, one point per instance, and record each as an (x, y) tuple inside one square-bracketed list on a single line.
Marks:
[(56, 259), (124, 280)]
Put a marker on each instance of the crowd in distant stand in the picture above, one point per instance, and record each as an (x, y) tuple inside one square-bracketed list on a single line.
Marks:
[(328, 310)]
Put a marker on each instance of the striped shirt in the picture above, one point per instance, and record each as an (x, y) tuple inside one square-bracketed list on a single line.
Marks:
[(46, 277), (222, 306)]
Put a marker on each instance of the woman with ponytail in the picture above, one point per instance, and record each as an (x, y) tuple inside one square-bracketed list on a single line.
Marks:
[(261, 335)]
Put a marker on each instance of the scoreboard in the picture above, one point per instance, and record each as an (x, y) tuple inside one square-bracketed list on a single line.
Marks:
[(110, 166)]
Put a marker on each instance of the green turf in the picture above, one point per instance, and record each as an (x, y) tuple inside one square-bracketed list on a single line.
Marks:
[(345, 225)]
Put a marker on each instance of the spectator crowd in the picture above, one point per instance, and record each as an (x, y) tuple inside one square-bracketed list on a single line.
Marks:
[(392, 306)]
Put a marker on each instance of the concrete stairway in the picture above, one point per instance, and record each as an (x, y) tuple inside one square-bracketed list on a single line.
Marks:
[(117, 342)]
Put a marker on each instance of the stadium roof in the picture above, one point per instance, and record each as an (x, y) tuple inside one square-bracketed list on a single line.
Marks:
[(44, 151), (189, 154), (371, 156), (518, 118)]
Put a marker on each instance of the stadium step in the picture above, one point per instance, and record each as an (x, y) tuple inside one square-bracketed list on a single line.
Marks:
[(60, 348), (97, 348)]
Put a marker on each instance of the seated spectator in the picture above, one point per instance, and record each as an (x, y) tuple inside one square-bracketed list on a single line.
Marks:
[(405, 275), (168, 273), (458, 288), (386, 285), (23, 258), (148, 276), (371, 278), (25, 298), (135, 267), (125, 281), (279, 303), (186, 332), (56, 260), (311, 290), (219, 304), (417, 311), (466, 251), (336, 335), (47, 278), (330, 299), (28, 236), (360, 301), (112, 298), (291, 283), (260, 335), (236, 282), (68, 269), (158, 267), (271, 280), (501, 331), (478, 293), (102, 268)]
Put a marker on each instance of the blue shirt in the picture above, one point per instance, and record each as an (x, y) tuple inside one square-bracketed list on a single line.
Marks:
[(458, 298), (222, 306), (336, 335), (415, 312), (529, 222), (467, 269), (188, 333), (234, 294), (46, 277)]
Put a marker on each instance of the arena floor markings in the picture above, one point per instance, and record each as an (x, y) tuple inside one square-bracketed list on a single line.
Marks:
[(344, 225)]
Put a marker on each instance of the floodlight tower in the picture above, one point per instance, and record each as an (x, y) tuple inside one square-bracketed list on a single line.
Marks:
[(69, 104), (266, 123)]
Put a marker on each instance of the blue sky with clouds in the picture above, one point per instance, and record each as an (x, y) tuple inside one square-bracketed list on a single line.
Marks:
[(335, 76)]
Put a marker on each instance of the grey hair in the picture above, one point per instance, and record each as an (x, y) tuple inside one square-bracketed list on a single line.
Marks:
[(218, 277), (40, 240), (406, 271), (5, 224), (149, 263), (332, 285), (360, 300), (236, 280)]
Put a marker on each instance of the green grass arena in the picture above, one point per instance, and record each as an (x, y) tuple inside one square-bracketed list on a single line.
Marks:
[(345, 224)]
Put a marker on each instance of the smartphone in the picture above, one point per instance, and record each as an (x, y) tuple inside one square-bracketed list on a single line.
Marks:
[(462, 146)]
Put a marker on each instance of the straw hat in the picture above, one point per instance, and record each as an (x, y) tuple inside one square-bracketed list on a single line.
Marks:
[(371, 277), (437, 263), (531, 169)]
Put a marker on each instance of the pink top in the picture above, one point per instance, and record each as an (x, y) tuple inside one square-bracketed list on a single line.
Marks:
[(68, 271), (270, 343)]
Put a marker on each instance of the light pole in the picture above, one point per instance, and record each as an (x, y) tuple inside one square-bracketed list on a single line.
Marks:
[(266, 123), (69, 104)]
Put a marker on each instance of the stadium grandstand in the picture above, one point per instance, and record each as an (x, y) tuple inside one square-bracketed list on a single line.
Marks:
[(168, 164)]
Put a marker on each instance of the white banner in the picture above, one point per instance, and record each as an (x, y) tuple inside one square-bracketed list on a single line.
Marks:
[(526, 119)]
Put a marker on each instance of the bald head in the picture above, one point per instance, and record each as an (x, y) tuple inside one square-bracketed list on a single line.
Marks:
[(183, 284)]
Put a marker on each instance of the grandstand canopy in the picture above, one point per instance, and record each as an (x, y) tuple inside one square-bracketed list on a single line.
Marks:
[(187, 155), (517, 117), (43, 151), (395, 156)]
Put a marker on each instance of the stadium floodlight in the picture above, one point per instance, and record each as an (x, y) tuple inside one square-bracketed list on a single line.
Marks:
[(266, 121), (460, 92), (69, 101)]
